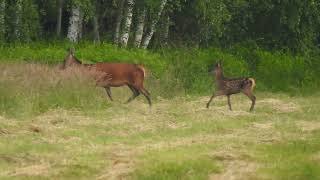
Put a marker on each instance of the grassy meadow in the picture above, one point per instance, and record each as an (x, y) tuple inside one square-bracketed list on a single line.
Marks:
[(58, 125)]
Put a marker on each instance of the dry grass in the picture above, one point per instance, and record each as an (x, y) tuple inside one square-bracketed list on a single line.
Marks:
[(280, 106), (309, 126), (236, 170), (33, 170)]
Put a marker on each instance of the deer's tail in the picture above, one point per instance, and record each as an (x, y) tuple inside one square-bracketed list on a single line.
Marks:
[(142, 69), (253, 83)]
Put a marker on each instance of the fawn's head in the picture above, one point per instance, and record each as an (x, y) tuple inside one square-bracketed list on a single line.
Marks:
[(218, 69)]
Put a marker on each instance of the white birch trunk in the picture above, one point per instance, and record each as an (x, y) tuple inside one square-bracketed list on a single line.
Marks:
[(59, 17), (74, 29), (154, 22), (2, 16), (127, 24), (140, 28), (116, 36)]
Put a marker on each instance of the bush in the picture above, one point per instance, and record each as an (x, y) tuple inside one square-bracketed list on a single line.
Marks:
[(185, 70)]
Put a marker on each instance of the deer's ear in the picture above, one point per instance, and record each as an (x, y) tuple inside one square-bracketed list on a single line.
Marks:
[(71, 51)]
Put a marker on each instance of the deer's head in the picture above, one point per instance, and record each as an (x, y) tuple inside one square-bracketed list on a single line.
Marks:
[(70, 59)]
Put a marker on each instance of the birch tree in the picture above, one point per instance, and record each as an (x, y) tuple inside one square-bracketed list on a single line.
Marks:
[(59, 17), (152, 29), (2, 19), (74, 24), (139, 27), (127, 23), (116, 36)]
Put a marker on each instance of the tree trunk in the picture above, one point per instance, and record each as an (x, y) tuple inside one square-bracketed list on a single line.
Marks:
[(165, 33), (17, 23), (127, 24), (81, 24), (59, 17), (140, 27), (74, 29), (2, 20), (116, 36), (96, 29), (154, 22), (95, 20)]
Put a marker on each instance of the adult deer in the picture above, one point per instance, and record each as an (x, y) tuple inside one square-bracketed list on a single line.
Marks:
[(228, 86), (113, 75)]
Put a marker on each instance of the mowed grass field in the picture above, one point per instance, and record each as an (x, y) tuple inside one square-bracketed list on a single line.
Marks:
[(58, 125)]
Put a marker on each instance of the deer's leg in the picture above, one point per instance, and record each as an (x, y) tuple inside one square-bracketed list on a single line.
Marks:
[(135, 94), (108, 90), (250, 95), (146, 94), (229, 102), (219, 93)]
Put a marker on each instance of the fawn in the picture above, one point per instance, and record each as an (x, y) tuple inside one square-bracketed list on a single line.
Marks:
[(228, 86)]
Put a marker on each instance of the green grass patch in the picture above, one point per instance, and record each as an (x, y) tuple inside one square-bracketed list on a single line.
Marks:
[(292, 160), (180, 163)]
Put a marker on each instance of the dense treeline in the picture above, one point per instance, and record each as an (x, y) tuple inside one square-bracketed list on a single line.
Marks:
[(272, 24)]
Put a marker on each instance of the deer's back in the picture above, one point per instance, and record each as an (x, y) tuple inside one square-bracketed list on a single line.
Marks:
[(232, 86), (121, 73)]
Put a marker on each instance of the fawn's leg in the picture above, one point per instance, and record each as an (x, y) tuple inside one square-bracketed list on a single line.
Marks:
[(229, 102), (134, 95), (215, 94), (250, 96), (108, 90)]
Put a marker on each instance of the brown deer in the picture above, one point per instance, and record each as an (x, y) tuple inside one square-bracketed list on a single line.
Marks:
[(227, 86), (109, 75)]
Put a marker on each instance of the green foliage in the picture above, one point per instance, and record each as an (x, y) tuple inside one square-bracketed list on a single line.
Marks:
[(287, 71), (2, 21), (191, 67), (185, 70), (274, 25), (22, 20), (89, 53), (279, 70), (212, 15)]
